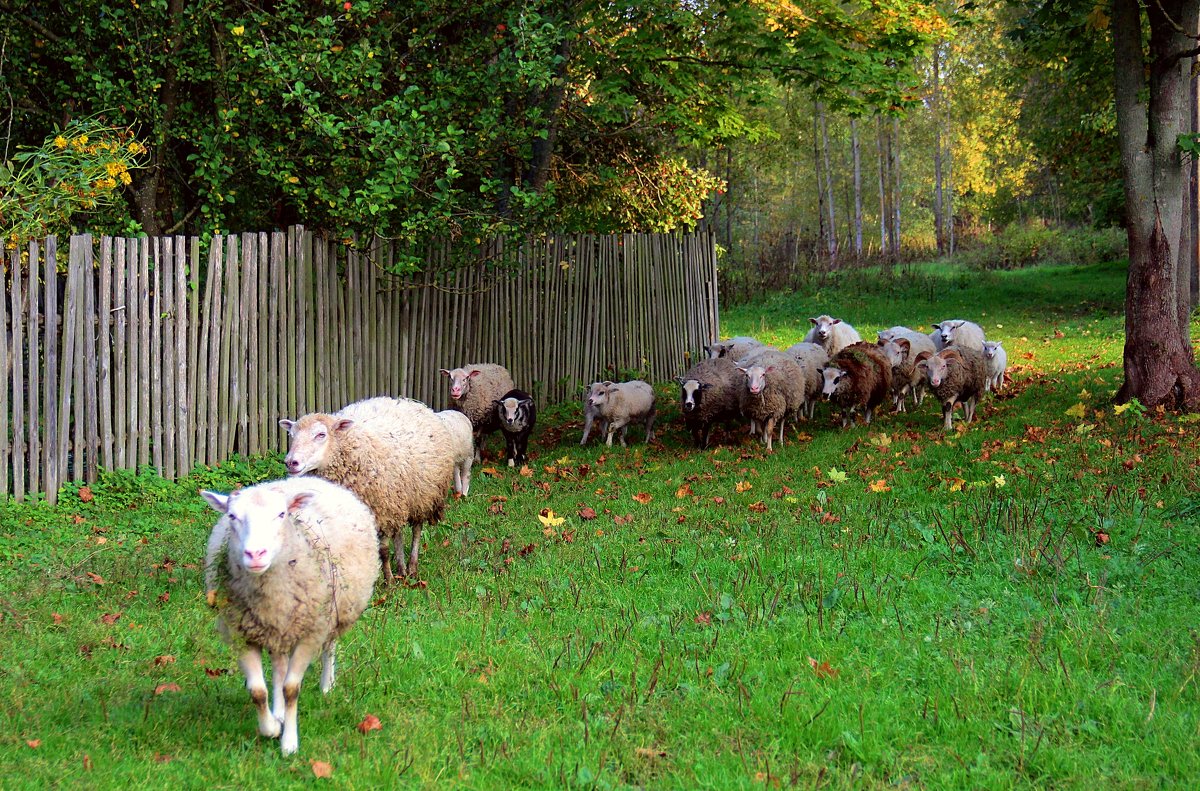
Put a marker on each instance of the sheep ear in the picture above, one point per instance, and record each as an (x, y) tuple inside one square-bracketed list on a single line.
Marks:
[(768, 369), (299, 500), (287, 425), (708, 350), (444, 371), (343, 424), (903, 343), (681, 380), (474, 373), (811, 319), (705, 385), (836, 321), (937, 326), (217, 501), (999, 344), (527, 402)]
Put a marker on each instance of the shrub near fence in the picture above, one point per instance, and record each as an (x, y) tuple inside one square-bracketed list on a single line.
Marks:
[(136, 355)]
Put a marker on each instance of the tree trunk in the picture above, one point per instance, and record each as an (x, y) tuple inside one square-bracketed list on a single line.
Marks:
[(820, 183), (884, 180), (949, 200), (832, 240), (858, 214), (894, 163), (151, 198), (938, 224), (1159, 364)]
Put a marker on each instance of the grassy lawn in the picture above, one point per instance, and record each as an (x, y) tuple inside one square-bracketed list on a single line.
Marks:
[(1013, 605)]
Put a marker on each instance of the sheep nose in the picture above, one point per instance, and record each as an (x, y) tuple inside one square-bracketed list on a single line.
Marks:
[(253, 556), (293, 466)]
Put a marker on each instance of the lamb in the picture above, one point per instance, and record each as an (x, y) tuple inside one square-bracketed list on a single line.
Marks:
[(590, 413), (462, 447), (902, 354), (733, 348), (812, 358), (833, 334), (960, 334), (956, 375), (773, 393), (622, 403), (393, 453), (859, 377), (997, 364), (710, 392), (517, 416), (918, 341), (474, 389), (300, 565)]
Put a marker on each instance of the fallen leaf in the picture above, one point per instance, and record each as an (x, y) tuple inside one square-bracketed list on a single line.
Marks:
[(167, 686), (823, 669), (215, 672), (587, 513), (643, 497), (87, 762), (527, 550), (999, 481), (1101, 538), (879, 486), (57, 618), (1027, 355), (650, 752), (96, 578), (548, 519), (164, 659), (77, 519), (743, 486), (681, 492), (491, 471), (837, 476), (321, 769), (1079, 410), (525, 471), (109, 618), (34, 743), (164, 597), (956, 484), (759, 508), (623, 520), (370, 723), (85, 494), (162, 758), (704, 619)]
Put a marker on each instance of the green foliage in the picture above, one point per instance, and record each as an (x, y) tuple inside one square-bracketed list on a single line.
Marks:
[(1026, 244), (1009, 606), (81, 168)]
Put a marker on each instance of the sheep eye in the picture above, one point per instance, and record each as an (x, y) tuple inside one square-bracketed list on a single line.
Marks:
[(282, 514), (320, 435)]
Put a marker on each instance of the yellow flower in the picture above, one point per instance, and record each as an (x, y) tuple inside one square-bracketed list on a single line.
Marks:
[(113, 168), (60, 142), (293, 180), (239, 30), (136, 148), (999, 481), (125, 177)]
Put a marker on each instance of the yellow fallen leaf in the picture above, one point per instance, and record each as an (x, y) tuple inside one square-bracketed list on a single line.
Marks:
[(999, 481), (956, 484), (744, 486), (1079, 410), (837, 476), (879, 486), (547, 518)]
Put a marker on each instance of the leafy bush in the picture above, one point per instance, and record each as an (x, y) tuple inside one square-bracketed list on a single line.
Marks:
[(1025, 244)]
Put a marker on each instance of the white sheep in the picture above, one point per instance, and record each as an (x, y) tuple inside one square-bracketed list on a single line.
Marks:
[(960, 333), (733, 348), (590, 413), (462, 447), (917, 341), (621, 403), (300, 564), (394, 453), (474, 389), (833, 334), (997, 363)]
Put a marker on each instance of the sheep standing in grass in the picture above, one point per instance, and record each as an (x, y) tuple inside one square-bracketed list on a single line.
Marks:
[(301, 561), (710, 392), (960, 334), (393, 453), (773, 394), (906, 379), (734, 348), (622, 403), (917, 341), (997, 364), (462, 447), (474, 389), (858, 378), (832, 334), (956, 375), (517, 415), (591, 412), (812, 358)]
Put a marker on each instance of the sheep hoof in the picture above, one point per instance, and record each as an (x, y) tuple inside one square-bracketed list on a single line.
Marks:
[(271, 727), (289, 746), (512, 463)]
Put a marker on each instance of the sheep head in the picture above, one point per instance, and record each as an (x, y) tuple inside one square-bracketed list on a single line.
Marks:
[(257, 520), (311, 447)]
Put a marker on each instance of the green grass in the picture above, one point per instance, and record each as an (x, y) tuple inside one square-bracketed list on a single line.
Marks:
[(962, 633)]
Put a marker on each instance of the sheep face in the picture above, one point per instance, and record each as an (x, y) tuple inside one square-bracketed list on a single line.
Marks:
[(936, 368), (823, 325), (689, 394), (989, 349), (715, 351), (756, 377), (896, 351), (947, 329), (460, 381), (833, 378), (514, 412), (311, 446), (599, 393), (257, 520)]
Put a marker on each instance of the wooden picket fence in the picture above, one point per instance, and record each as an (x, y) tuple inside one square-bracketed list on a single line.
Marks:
[(169, 352)]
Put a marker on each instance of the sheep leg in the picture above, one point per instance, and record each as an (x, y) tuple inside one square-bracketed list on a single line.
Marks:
[(510, 449), (969, 409), (301, 658), (948, 415), (769, 432), (870, 413), (650, 428), (587, 429), (624, 431), (385, 557), (782, 426), (251, 664), (415, 552), (328, 667), (278, 673), (465, 476)]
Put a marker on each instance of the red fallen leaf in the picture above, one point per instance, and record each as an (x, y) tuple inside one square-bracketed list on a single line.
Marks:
[(1027, 355), (1058, 333), (492, 471), (643, 497), (623, 520), (164, 597), (215, 672), (823, 669), (162, 758), (77, 519), (704, 619), (85, 494), (506, 545), (527, 550), (370, 723), (1101, 539), (568, 536), (167, 686), (321, 769), (109, 618), (719, 500), (34, 743), (759, 508), (681, 519), (164, 659), (96, 578), (87, 762), (828, 518), (495, 509), (587, 513), (56, 617)]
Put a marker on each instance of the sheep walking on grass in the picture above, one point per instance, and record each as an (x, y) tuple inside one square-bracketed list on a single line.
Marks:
[(773, 393), (956, 375), (301, 559), (997, 364), (394, 453), (622, 403), (517, 416), (462, 446), (474, 389), (590, 413), (858, 379), (833, 334), (710, 392)]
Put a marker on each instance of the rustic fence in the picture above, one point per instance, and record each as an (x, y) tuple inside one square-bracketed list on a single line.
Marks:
[(169, 353)]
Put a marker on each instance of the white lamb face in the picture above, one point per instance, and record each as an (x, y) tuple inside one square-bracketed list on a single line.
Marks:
[(310, 445), (947, 329), (833, 377), (510, 410), (689, 394), (823, 325), (598, 393), (257, 519), (756, 377), (894, 352), (935, 369), (989, 348)]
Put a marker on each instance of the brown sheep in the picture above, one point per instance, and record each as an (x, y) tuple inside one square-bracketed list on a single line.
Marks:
[(956, 375), (859, 377)]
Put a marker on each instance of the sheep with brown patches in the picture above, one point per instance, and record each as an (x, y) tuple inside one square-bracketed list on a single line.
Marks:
[(858, 379), (906, 379), (394, 453), (956, 375)]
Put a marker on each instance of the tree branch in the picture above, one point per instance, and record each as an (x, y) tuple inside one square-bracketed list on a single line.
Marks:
[(33, 23)]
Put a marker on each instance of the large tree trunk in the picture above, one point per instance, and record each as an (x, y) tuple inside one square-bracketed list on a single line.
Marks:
[(151, 196), (1159, 363), (832, 240), (858, 214), (938, 218), (894, 165)]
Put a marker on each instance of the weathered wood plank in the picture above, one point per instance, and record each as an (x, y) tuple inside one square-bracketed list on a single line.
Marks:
[(156, 319), (183, 409), (249, 344), (36, 463), (143, 296), (50, 475), (5, 365), (66, 377), (166, 313), (89, 327)]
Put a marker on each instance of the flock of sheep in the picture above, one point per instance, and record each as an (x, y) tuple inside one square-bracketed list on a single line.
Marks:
[(291, 564)]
